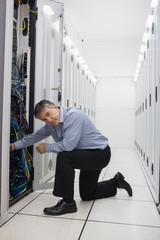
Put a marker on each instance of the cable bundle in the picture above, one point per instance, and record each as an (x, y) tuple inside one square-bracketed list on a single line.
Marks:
[(20, 164), (20, 160)]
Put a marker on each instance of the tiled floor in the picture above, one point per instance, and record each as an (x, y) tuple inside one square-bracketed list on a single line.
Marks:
[(120, 217)]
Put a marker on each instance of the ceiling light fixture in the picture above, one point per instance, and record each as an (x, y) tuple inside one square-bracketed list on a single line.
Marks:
[(137, 72), (143, 48), (75, 52), (135, 79), (139, 64), (145, 37), (150, 20), (154, 3), (68, 41), (48, 10), (140, 58)]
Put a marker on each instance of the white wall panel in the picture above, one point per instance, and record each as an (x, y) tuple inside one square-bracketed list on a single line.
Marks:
[(117, 93), (115, 110), (117, 125)]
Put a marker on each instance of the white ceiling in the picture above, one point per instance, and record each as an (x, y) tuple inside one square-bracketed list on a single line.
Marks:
[(100, 23), (108, 18)]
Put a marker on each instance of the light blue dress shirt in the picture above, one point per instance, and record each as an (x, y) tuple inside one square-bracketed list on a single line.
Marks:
[(75, 131)]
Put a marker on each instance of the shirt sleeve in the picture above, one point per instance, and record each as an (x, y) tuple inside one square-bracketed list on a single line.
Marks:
[(72, 133), (33, 138)]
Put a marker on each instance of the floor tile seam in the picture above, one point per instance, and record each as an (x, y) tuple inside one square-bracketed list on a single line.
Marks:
[(120, 162), (119, 199), (75, 195), (128, 174), (136, 185), (129, 171), (86, 220), (129, 200), (132, 185), (143, 170), (127, 224), (8, 220), (139, 171), (49, 216), (133, 200), (141, 186), (27, 203)]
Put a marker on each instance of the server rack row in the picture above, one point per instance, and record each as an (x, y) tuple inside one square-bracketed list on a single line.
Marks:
[(78, 83), (20, 165), (148, 103)]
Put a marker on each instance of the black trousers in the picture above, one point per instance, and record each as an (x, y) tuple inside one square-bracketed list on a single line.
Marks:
[(90, 162)]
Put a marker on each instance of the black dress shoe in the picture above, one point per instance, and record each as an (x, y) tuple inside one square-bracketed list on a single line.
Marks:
[(61, 208), (121, 183)]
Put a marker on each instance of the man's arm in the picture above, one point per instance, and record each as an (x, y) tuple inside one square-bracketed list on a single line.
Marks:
[(31, 139)]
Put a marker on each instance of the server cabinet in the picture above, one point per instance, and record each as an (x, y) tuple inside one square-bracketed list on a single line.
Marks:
[(6, 9), (78, 83), (43, 78), (157, 99), (147, 106)]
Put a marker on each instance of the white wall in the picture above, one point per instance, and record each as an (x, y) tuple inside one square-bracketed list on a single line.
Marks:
[(115, 110)]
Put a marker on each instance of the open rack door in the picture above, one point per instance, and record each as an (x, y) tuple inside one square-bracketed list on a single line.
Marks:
[(6, 10), (48, 65)]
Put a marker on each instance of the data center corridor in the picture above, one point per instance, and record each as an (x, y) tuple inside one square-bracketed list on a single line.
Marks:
[(120, 217)]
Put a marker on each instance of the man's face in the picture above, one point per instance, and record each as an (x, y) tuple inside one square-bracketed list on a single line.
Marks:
[(50, 116)]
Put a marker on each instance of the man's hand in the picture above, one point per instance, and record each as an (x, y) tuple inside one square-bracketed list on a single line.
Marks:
[(12, 147), (41, 148)]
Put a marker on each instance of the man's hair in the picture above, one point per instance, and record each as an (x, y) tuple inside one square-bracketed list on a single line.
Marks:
[(41, 105)]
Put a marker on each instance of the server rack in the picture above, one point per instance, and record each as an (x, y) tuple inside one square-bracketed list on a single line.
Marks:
[(6, 9), (22, 85), (36, 51), (148, 106), (78, 83)]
